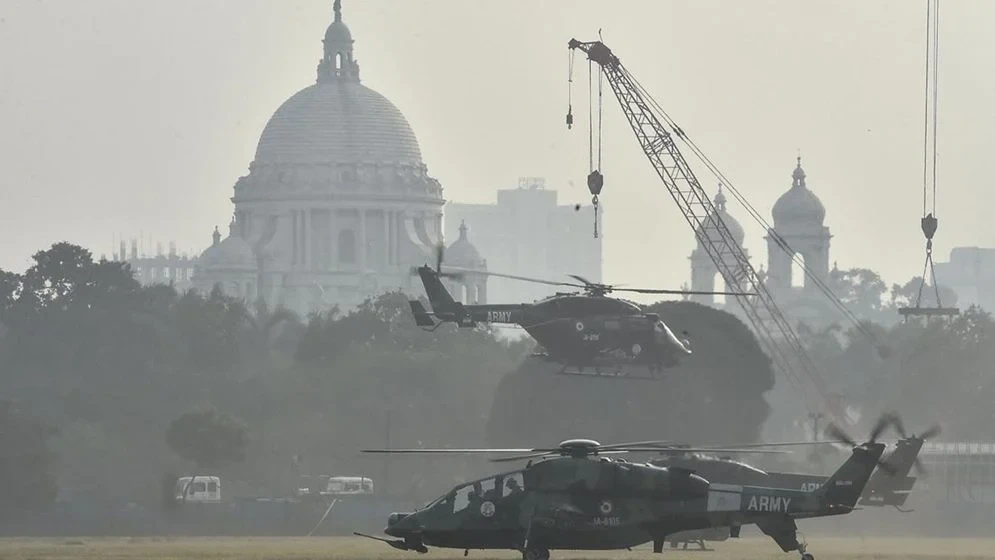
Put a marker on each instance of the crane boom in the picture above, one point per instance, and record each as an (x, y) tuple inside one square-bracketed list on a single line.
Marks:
[(773, 330)]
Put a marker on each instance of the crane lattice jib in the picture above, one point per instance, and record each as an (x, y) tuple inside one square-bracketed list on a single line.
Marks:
[(773, 330)]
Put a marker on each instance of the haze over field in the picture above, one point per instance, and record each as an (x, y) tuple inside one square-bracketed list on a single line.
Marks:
[(122, 118), (310, 329)]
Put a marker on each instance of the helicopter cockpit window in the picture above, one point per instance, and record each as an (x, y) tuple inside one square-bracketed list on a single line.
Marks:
[(488, 489), (513, 483), (473, 494)]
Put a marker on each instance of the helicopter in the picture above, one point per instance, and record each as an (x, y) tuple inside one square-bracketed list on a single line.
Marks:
[(587, 333), (890, 485), (579, 496)]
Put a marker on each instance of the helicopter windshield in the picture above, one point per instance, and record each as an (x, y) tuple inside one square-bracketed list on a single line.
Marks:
[(475, 493)]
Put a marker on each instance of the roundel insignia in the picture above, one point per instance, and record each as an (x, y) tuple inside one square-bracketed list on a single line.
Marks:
[(605, 507), (580, 326), (487, 509), (636, 349)]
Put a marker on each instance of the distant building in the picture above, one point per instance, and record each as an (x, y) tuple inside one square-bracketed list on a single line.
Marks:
[(161, 268), (527, 233), (704, 273), (799, 220), (970, 273), (337, 206)]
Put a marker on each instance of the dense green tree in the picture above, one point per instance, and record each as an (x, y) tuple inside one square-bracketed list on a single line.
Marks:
[(208, 438), (906, 295), (27, 465), (717, 394), (862, 290)]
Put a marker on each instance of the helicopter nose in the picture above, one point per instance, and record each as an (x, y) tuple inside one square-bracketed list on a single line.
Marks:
[(665, 336), (402, 524)]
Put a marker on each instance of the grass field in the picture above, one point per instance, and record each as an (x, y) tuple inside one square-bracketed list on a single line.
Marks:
[(359, 549)]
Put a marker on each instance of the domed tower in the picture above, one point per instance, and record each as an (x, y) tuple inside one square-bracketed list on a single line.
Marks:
[(471, 286), (703, 270), (338, 204), (230, 264), (798, 220)]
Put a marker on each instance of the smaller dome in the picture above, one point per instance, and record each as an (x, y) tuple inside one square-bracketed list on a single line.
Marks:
[(233, 252), (463, 254), (338, 32), (732, 224), (799, 205)]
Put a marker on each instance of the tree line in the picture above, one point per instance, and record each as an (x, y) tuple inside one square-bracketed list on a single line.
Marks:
[(106, 385)]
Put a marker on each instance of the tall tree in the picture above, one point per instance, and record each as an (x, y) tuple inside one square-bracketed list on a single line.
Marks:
[(26, 462), (861, 289), (717, 394), (208, 438), (906, 295)]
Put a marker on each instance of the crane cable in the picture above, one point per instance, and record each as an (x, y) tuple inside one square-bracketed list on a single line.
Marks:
[(595, 179), (757, 217), (679, 132), (929, 221)]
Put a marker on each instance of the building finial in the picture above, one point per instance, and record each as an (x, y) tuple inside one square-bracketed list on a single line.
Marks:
[(798, 176), (216, 236), (337, 8), (720, 199), (462, 230)]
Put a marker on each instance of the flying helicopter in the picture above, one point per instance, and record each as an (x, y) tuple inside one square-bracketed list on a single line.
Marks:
[(579, 496), (587, 332), (890, 485)]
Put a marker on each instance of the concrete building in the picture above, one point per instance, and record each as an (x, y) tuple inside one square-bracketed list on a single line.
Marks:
[(970, 273), (160, 268), (528, 233)]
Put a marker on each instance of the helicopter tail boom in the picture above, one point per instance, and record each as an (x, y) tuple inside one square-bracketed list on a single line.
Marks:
[(422, 317), (844, 488), (438, 296)]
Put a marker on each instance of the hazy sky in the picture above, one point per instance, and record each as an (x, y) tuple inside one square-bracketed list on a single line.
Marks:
[(122, 117)]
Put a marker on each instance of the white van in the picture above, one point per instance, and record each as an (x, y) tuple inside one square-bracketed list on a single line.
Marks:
[(348, 485), (199, 489)]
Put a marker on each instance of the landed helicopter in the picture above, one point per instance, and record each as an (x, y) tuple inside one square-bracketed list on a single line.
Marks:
[(890, 485), (581, 497), (588, 333)]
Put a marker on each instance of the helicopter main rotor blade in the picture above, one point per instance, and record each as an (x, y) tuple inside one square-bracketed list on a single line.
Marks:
[(513, 277), (553, 454), (737, 451), (637, 444), (582, 280), (416, 451), (520, 457), (682, 292), (745, 446)]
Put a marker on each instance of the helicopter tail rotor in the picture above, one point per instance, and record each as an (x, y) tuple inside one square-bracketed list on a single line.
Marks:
[(889, 419)]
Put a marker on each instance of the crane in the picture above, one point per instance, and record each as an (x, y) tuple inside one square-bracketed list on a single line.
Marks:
[(656, 135)]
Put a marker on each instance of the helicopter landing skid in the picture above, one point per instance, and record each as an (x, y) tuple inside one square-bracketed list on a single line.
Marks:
[(620, 372)]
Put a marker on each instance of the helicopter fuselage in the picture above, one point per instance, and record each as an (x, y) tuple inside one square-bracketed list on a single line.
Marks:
[(582, 330), (597, 503)]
